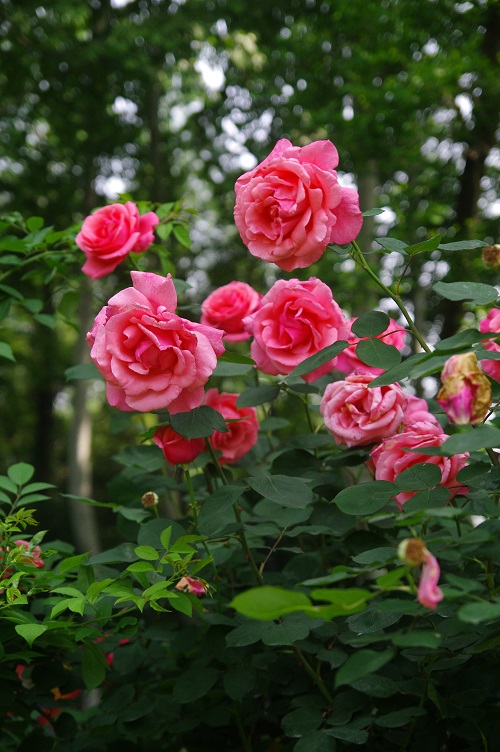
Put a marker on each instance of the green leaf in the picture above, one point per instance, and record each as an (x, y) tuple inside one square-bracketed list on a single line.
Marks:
[(146, 552), (319, 359), (366, 498), (361, 663), (315, 741), (34, 223), (477, 292), (428, 499), (419, 477), (165, 537), (477, 612), (378, 354), (194, 684), (463, 245), (20, 473), (371, 620), (375, 685), (392, 244), (348, 734), (6, 352), (81, 372), (30, 631), (426, 245), (301, 721), (182, 235), (482, 437), (372, 212), (257, 395), (419, 638), (233, 357), (46, 320), (269, 602), (283, 489), (370, 324), (401, 371), (238, 682), (198, 423), (217, 511), (380, 555), (164, 231), (228, 369), (399, 717), (94, 666)]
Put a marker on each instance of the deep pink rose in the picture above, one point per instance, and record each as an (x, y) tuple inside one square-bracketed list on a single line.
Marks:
[(242, 434), (429, 594), (226, 308), (111, 233), (417, 411), (295, 320), (291, 206), (176, 449), (348, 361), (357, 415), (151, 358), (389, 459), (191, 585), (491, 324)]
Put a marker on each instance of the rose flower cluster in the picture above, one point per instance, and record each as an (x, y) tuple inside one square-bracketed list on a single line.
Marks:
[(287, 211)]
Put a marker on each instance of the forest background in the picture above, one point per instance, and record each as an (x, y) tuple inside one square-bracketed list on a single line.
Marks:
[(174, 100)]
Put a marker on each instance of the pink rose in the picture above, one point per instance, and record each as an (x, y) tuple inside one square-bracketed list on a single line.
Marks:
[(226, 308), (417, 411), (191, 585), (295, 320), (242, 434), (348, 361), (291, 206), (357, 415), (491, 324), (429, 594), (176, 449), (111, 233), (151, 358), (32, 557), (390, 458)]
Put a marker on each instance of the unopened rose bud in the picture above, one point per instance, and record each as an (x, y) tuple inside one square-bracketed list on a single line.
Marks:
[(412, 551), (466, 392), (149, 499), (491, 255)]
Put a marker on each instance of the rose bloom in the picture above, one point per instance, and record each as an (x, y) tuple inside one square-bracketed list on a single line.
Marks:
[(389, 459), (291, 206), (348, 361), (242, 434), (295, 320), (32, 557), (417, 411), (226, 308), (491, 324), (191, 585), (357, 415), (429, 594), (111, 233), (151, 358), (176, 449)]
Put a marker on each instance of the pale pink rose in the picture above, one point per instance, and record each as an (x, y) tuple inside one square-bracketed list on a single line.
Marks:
[(243, 432), (291, 206), (348, 361), (150, 358), (357, 415), (226, 308), (491, 324), (111, 233), (417, 411), (176, 449), (295, 320), (191, 585), (389, 459), (429, 594)]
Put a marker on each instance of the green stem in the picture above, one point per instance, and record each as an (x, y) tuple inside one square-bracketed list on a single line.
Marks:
[(237, 514), (26, 261), (314, 676), (360, 259), (194, 509)]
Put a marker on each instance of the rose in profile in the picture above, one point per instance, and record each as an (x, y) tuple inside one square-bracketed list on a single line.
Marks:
[(243, 432), (151, 358), (466, 392), (111, 233), (294, 321), (226, 307), (176, 449), (357, 415), (348, 361), (291, 206), (390, 458), (491, 324)]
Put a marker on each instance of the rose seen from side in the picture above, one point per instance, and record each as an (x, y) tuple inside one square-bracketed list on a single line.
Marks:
[(291, 206), (176, 449), (243, 432), (151, 358)]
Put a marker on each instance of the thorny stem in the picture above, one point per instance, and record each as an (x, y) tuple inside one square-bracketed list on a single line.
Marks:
[(237, 513), (358, 257)]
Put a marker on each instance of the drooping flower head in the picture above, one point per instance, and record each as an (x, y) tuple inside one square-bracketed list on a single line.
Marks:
[(291, 206)]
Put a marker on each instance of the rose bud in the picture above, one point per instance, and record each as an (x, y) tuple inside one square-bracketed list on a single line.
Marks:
[(176, 449), (466, 392)]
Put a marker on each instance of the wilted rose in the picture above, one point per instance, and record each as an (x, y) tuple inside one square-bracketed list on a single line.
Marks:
[(429, 594), (111, 233), (291, 206), (466, 392)]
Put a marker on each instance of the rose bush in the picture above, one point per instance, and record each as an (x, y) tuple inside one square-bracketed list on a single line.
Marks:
[(111, 233), (291, 206)]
